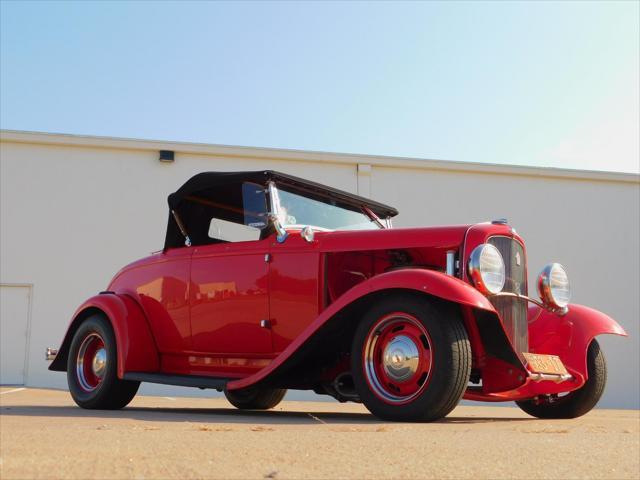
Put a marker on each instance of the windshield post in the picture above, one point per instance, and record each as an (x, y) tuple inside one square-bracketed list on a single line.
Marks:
[(274, 213), (373, 217)]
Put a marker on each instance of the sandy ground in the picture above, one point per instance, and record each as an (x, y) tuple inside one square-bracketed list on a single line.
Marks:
[(44, 435)]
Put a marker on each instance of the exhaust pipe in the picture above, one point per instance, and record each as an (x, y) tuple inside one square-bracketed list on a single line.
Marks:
[(51, 354)]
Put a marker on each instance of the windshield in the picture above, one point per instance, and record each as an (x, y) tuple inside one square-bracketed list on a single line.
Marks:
[(298, 210)]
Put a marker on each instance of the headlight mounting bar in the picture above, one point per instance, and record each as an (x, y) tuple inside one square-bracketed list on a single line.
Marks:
[(558, 311)]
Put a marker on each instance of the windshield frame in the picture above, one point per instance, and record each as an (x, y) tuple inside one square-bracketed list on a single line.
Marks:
[(277, 211)]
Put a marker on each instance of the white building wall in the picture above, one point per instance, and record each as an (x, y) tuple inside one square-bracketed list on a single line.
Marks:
[(73, 210)]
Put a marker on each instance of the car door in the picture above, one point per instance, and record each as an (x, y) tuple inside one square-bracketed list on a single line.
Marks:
[(294, 288), (229, 298), (229, 293)]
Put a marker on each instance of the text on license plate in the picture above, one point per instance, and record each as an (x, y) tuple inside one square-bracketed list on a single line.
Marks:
[(550, 364)]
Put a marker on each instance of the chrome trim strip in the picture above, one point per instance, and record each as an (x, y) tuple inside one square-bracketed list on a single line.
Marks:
[(451, 262), (463, 266)]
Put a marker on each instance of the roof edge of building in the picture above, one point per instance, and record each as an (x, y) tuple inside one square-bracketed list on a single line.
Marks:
[(64, 139)]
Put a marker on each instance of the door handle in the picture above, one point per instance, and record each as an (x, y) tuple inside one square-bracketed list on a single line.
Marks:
[(265, 324)]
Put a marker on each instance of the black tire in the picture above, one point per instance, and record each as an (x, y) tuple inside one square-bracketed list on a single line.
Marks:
[(441, 332), (255, 399), (109, 392), (579, 402)]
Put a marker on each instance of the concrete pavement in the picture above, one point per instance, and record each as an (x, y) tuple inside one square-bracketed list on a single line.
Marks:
[(44, 435)]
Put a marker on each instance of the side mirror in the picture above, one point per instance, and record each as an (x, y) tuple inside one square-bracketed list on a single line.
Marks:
[(280, 230)]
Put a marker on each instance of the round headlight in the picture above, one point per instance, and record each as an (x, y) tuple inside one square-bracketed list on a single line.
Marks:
[(553, 286), (486, 269)]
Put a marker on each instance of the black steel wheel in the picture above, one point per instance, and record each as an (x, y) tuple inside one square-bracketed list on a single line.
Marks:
[(577, 403), (92, 368)]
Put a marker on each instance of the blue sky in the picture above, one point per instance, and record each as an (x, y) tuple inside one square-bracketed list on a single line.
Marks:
[(532, 83)]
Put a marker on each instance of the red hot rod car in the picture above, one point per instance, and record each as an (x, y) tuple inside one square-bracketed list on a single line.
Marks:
[(269, 282)]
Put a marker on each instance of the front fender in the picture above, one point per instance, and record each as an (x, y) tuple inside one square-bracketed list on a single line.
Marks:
[(569, 335), (429, 282), (136, 347), (432, 282)]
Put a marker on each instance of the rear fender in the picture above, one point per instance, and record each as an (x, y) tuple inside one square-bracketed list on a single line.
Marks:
[(429, 282), (569, 335), (136, 347)]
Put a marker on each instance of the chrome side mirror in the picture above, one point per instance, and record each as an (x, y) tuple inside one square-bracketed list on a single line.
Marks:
[(280, 230)]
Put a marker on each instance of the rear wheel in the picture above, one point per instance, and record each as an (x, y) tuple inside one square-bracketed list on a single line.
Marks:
[(255, 399), (92, 368), (577, 403), (410, 359)]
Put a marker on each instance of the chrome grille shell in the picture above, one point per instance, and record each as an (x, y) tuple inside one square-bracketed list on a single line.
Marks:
[(512, 310)]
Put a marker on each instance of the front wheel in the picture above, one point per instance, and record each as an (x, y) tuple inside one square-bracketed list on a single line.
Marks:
[(411, 359), (577, 403), (92, 368)]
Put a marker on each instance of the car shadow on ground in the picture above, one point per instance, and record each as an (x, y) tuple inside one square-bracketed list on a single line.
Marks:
[(227, 415)]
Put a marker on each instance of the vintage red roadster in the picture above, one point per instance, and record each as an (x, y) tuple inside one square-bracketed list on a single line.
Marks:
[(269, 282)]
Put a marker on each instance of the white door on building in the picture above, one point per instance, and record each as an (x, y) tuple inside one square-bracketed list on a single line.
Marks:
[(14, 321)]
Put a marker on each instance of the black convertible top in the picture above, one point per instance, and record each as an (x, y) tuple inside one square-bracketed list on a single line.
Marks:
[(209, 180), (216, 181)]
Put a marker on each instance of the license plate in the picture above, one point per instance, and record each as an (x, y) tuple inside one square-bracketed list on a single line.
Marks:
[(549, 364)]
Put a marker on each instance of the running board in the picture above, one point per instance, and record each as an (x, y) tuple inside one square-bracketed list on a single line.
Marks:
[(178, 380)]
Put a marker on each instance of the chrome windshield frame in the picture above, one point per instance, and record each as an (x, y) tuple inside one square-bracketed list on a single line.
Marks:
[(274, 211), (373, 217)]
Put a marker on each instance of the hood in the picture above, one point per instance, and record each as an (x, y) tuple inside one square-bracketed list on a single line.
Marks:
[(448, 237)]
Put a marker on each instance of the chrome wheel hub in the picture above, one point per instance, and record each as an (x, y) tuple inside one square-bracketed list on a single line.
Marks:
[(99, 362), (397, 358), (400, 358), (91, 362)]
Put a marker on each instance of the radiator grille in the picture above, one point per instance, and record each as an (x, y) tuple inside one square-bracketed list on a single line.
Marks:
[(513, 311)]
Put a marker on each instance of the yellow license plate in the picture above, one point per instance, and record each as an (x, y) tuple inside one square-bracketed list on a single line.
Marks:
[(549, 364)]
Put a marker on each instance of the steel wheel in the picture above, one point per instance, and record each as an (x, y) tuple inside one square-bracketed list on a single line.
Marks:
[(255, 399), (578, 402), (397, 358), (92, 367), (91, 362), (411, 358)]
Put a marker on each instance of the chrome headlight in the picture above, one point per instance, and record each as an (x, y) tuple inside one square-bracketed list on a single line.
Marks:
[(486, 269), (553, 286)]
